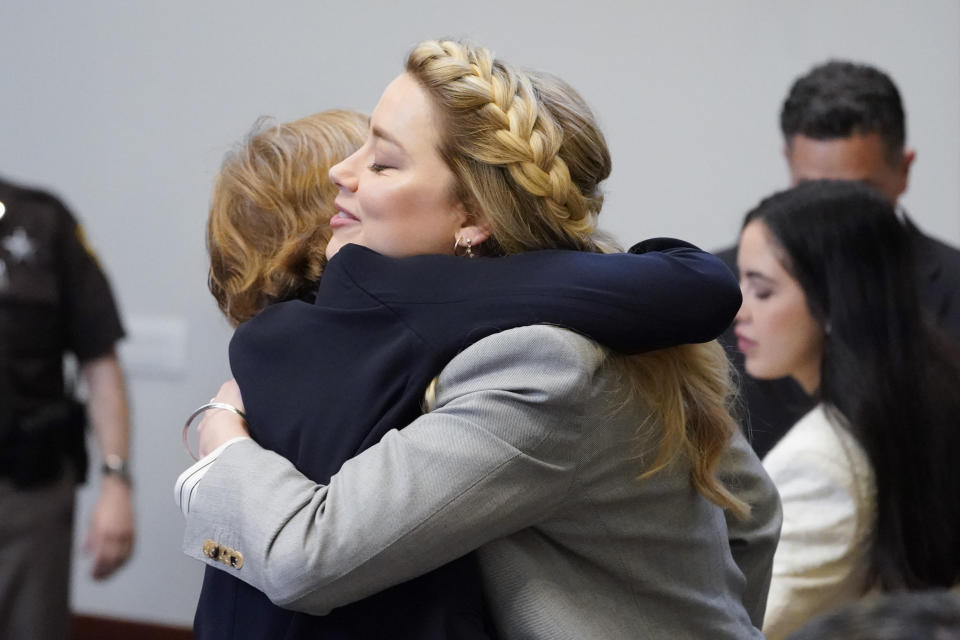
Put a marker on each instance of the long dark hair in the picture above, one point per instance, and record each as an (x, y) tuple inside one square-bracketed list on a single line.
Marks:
[(885, 368)]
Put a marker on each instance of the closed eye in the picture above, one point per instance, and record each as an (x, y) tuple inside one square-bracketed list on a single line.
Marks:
[(377, 168), (761, 286)]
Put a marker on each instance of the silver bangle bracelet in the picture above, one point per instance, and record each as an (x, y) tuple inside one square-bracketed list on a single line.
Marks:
[(203, 409)]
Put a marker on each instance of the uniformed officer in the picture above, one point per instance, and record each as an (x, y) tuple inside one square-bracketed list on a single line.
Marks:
[(54, 299)]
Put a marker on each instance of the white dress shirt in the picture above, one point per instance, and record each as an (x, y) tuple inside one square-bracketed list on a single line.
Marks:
[(188, 481)]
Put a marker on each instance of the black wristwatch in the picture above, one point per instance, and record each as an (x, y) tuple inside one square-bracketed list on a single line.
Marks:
[(114, 465)]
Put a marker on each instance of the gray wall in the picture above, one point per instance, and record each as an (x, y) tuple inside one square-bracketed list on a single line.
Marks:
[(125, 108)]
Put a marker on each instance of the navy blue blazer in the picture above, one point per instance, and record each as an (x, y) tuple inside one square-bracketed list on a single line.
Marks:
[(323, 381)]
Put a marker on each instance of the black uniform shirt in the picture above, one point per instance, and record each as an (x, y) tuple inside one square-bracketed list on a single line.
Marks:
[(54, 298)]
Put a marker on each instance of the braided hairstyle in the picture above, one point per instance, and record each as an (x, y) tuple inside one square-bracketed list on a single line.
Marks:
[(528, 159), (524, 148)]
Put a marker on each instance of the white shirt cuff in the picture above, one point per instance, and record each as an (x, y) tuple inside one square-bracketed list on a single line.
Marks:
[(186, 487)]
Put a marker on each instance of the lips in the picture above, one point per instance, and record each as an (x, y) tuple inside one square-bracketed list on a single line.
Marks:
[(744, 344), (343, 218)]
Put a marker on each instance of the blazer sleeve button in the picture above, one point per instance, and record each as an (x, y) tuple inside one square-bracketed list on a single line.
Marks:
[(211, 549), (229, 557)]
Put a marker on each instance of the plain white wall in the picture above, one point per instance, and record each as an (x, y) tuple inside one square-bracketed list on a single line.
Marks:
[(126, 108)]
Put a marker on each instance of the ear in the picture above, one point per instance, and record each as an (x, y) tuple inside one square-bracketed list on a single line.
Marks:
[(476, 231), (909, 155), (903, 171), (786, 151), (472, 225)]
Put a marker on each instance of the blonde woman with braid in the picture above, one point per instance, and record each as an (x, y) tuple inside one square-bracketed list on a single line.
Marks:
[(604, 496), (267, 233)]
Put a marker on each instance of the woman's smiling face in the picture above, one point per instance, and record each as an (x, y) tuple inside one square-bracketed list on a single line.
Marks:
[(396, 191)]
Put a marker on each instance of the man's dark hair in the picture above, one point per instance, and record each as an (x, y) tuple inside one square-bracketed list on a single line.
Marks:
[(838, 99)]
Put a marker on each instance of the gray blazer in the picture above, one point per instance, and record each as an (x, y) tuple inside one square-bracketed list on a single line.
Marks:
[(530, 458)]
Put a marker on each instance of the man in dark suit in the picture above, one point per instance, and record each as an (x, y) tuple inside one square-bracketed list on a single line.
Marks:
[(845, 121)]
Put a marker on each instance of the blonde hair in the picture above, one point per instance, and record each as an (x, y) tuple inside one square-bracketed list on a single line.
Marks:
[(690, 390), (528, 158), (272, 201), (524, 148)]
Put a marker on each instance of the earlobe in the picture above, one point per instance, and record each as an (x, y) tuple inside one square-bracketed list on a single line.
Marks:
[(909, 155), (476, 232), (472, 227), (789, 160)]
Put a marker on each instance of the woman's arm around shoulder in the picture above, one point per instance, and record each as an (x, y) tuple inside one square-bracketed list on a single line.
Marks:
[(498, 454), (695, 289), (662, 293)]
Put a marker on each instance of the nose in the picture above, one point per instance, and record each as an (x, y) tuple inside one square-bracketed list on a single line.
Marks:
[(743, 312), (343, 173)]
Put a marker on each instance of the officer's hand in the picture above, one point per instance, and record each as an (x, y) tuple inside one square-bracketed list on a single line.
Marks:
[(110, 536), (220, 425)]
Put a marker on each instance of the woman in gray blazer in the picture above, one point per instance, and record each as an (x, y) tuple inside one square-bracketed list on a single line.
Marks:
[(594, 487)]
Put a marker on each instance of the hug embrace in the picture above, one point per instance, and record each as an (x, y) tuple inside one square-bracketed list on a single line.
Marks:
[(484, 421)]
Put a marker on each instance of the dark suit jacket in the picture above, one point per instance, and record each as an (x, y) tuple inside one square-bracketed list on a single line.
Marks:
[(332, 377), (773, 406)]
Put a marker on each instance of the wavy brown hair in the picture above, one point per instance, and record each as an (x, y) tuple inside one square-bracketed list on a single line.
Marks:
[(269, 212), (528, 158)]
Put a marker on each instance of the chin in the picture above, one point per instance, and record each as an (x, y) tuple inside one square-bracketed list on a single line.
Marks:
[(760, 372)]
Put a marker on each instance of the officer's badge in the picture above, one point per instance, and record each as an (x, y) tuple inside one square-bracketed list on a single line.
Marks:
[(19, 245)]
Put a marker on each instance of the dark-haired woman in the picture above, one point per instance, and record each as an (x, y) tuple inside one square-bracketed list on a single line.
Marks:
[(868, 478)]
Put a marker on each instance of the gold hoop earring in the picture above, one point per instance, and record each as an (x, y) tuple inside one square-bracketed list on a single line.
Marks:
[(468, 247)]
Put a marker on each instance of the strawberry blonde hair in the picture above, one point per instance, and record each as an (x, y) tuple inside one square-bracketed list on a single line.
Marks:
[(272, 201)]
